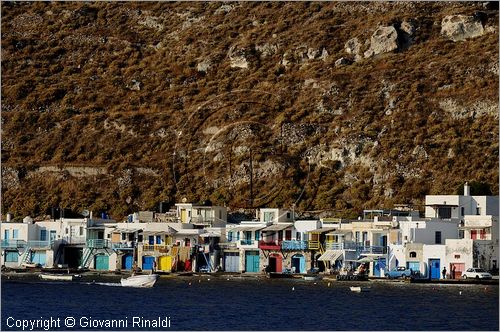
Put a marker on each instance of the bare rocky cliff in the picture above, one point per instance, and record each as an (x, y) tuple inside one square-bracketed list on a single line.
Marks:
[(330, 107)]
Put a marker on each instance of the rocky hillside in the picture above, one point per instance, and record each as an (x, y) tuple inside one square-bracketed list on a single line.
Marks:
[(333, 107)]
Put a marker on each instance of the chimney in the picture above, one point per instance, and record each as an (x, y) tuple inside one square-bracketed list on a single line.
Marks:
[(466, 189)]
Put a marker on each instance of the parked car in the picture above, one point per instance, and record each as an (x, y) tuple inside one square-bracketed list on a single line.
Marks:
[(476, 273), (399, 272)]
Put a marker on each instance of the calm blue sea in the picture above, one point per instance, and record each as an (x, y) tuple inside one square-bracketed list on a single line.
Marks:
[(197, 303)]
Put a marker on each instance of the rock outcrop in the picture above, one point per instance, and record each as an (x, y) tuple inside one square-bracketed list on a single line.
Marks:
[(461, 27), (383, 40), (353, 47)]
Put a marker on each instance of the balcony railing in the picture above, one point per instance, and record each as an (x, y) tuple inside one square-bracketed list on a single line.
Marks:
[(293, 245), (228, 245), (374, 250), (313, 244), (122, 245), (97, 243), (156, 247), (246, 242), (202, 221), (40, 244), (13, 244), (270, 245)]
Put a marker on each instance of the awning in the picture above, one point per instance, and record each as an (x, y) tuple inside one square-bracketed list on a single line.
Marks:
[(125, 230), (245, 228), (276, 227), (331, 255), (365, 260), (322, 230), (157, 233), (339, 232), (210, 234)]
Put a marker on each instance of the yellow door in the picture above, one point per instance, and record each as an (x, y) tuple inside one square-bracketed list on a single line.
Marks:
[(165, 263), (183, 215)]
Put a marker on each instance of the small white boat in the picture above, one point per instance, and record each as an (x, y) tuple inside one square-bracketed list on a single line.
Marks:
[(30, 265), (142, 280), (58, 277), (359, 289), (312, 277)]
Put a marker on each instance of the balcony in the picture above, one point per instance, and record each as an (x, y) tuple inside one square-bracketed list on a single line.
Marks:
[(40, 244), (12, 244), (293, 245), (373, 250), (341, 245), (122, 245), (228, 245), (313, 245), (202, 221), (247, 242), (97, 243), (156, 247), (270, 245)]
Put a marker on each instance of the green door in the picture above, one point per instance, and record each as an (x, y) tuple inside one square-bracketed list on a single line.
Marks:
[(102, 262)]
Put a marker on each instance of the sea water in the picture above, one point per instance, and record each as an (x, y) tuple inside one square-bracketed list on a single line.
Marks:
[(220, 303)]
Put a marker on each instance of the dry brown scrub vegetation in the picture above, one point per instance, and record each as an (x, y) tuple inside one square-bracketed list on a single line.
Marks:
[(112, 84)]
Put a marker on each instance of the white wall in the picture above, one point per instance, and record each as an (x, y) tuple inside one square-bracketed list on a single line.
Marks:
[(424, 231), (434, 251)]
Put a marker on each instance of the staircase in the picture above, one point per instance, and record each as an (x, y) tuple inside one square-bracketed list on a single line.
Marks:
[(26, 256), (87, 254)]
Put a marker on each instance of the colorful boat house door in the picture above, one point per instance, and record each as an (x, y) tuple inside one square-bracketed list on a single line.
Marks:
[(434, 269), (252, 261), (127, 261), (102, 262), (298, 263), (147, 262), (275, 263)]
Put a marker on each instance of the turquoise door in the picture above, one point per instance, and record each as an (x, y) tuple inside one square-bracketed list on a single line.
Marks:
[(127, 262), (414, 266), (299, 263), (252, 261), (102, 262), (434, 269), (147, 262), (39, 257)]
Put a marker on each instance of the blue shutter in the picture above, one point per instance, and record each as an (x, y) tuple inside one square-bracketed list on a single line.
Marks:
[(43, 235), (15, 233)]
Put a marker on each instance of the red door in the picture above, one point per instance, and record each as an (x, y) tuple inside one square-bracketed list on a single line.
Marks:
[(459, 268), (279, 263), (473, 235)]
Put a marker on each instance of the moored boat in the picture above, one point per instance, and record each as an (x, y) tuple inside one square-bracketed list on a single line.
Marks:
[(359, 289), (58, 277), (141, 280), (312, 277)]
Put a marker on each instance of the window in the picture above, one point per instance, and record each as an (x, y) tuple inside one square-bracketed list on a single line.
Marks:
[(237, 236), (66, 230), (124, 236), (280, 236), (6, 234), (482, 234), (288, 235), (158, 239), (413, 254), (257, 235), (198, 212), (268, 216), (357, 236), (80, 231), (298, 235), (220, 214), (189, 213), (444, 212), (11, 256), (457, 256), (437, 237), (462, 211), (478, 211), (109, 236), (53, 235), (15, 233), (230, 236), (43, 235), (248, 235), (288, 215), (473, 234), (461, 234)]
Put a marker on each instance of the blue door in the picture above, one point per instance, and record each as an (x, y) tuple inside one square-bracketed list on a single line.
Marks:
[(434, 269), (252, 261), (151, 239), (43, 235), (299, 263), (378, 267), (414, 266), (127, 261), (147, 262), (39, 257)]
